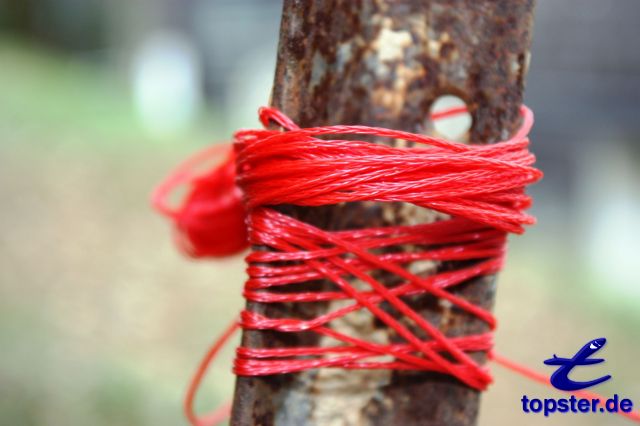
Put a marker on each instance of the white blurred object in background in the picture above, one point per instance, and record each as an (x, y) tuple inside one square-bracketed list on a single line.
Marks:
[(609, 203), (167, 83)]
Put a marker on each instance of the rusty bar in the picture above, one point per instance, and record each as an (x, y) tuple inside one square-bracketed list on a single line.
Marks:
[(384, 63)]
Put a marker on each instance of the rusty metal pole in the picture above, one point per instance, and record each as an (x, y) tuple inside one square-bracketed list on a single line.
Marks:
[(383, 63)]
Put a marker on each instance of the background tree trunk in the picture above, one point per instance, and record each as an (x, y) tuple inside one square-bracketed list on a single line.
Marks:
[(383, 63)]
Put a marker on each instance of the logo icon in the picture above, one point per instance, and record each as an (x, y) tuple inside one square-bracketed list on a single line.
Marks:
[(560, 378)]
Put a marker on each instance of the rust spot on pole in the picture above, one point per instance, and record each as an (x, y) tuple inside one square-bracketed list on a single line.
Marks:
[(384, 63)]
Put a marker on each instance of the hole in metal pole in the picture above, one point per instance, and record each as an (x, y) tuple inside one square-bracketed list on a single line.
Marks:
[(455, 127)]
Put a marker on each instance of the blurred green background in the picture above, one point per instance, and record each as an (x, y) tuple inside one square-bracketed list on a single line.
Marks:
[(102, 321)]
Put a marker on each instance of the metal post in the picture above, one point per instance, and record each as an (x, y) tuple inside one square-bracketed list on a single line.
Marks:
[(377, 62)]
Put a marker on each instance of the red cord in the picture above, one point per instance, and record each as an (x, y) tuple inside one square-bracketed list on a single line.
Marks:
[(222, 412), (479, 187), (210, 221)]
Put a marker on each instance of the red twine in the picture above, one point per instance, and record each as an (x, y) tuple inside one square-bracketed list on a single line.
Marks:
[(480, 187), (210, 222)]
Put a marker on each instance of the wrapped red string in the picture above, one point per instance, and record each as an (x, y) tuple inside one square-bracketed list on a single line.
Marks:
[(479, 187), (482, 186)]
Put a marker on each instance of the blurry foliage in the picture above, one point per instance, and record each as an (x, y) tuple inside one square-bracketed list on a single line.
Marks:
[(101, 320), (69, 24), (43, 90)]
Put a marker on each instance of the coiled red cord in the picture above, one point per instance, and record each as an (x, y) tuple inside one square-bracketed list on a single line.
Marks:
[(479, 187)]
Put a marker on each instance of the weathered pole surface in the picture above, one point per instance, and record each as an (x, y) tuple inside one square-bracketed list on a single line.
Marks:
[(383, 63)]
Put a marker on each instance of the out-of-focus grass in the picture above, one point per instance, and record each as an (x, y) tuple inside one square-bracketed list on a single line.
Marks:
[(45, 91), (102, 322)]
